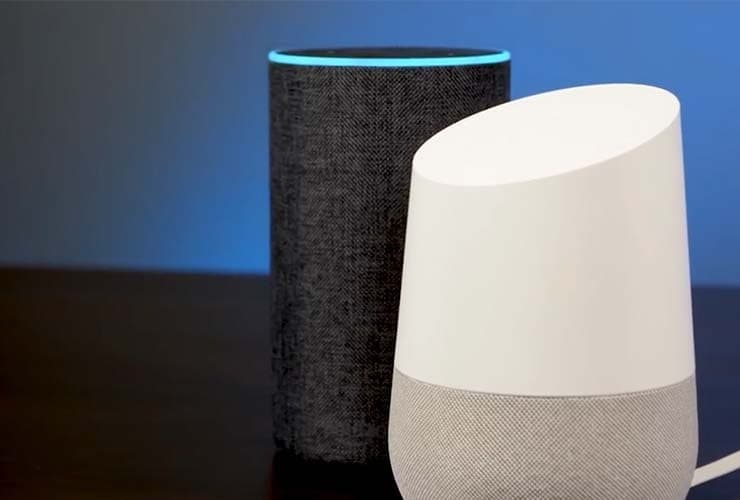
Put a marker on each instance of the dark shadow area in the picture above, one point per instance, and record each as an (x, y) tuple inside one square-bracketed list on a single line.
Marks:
[(122, 385), (293, 478)]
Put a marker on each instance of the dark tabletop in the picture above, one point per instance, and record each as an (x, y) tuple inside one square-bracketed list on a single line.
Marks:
[(157, 386)]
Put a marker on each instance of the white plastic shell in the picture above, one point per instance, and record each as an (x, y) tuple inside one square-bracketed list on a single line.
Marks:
[(546, 249)]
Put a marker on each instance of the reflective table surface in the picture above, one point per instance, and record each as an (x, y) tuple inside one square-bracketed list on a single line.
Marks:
[(117, 385)]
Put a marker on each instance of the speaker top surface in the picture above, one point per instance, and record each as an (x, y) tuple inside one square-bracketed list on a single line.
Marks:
[(391, 57), (548, 134)]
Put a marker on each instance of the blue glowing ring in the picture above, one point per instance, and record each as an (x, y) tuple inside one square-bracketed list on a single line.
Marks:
[(278, 57)]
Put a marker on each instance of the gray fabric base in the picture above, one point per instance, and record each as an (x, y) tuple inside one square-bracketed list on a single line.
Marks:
[(453, 444), (341, 144)]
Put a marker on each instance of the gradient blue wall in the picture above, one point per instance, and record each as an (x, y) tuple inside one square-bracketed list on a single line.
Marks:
[(135, 135)]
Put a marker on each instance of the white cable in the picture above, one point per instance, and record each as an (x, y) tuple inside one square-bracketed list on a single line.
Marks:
[(716, 469)]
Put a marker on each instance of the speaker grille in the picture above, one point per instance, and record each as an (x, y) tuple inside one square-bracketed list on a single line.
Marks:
[(341, 145), (452, 444)]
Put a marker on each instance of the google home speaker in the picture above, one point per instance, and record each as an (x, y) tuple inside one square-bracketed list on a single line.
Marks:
[(344, 124), (545, 345)]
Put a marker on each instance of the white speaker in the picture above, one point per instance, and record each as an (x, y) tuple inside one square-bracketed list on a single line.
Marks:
[(545, 345)]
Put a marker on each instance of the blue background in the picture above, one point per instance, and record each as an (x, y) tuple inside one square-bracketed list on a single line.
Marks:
[(135, 135)]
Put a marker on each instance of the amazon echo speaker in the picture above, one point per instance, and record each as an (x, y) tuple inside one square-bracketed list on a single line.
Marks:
[(545, 344), (344, 124)]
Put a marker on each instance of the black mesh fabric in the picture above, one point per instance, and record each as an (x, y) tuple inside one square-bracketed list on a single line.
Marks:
[(341, 144)]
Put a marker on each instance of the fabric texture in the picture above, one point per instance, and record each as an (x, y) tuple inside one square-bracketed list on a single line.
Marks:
[(453, 444), (341, 145)]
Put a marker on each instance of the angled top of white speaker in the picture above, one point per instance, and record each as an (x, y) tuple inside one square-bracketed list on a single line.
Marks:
[(547, 134), (546, 249)]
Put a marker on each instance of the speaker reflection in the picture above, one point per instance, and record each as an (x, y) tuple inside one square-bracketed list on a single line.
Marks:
[(293, 478)]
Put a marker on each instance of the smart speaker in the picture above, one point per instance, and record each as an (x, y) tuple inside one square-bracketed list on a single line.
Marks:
[(344, 124), (545, 345)]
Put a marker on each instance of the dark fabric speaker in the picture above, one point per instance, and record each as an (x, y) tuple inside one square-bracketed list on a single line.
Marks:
[(344, 125)]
